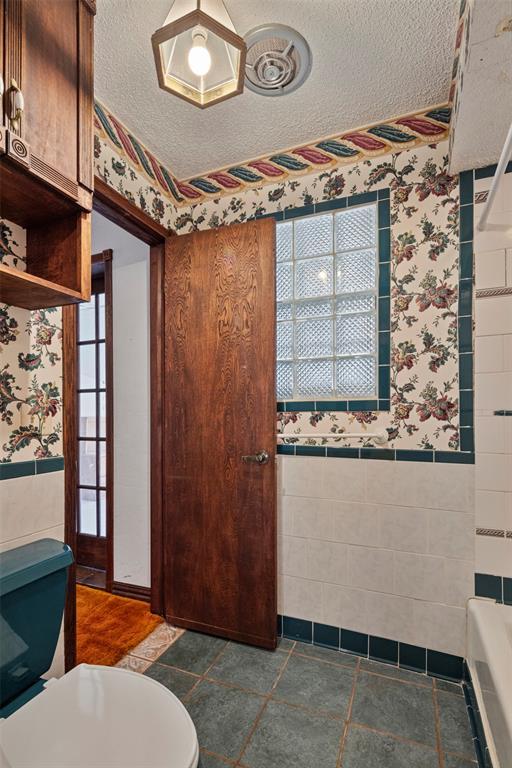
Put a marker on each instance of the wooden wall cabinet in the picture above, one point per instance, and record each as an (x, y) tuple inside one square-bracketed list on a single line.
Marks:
[(46, 150)]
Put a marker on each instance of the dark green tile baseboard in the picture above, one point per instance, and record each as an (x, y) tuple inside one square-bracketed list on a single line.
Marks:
[(13, 469), (475, 721), (411, 657), (497, 588)]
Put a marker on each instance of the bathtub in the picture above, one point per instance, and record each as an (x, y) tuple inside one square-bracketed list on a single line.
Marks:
[(489, 657)]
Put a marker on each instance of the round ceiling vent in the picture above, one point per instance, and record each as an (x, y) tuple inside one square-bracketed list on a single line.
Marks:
[(278, 60)]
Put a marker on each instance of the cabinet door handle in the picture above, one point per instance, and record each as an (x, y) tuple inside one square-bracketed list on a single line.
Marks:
[(17, 103)]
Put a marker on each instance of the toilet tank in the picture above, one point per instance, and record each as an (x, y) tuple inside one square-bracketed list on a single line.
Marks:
[(32, 597)]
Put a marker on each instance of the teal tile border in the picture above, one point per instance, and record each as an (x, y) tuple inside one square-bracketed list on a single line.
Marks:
[(386, 454), (497, 588), (10, 470), (384, 303), (13, 469), (49, 465), (412, 657), (464, 334), (489, 171)]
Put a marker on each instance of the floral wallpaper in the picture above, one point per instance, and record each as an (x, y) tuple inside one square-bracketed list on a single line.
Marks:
[(30, 369), (424, 412), (424, 203), (424, 199)]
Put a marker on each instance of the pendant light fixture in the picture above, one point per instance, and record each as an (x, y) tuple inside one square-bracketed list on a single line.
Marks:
[(198, 55)]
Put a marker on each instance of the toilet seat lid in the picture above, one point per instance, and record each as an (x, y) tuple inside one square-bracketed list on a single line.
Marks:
[(101, 717)]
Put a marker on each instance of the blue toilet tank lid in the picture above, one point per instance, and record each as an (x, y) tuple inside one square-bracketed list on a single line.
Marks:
[(23, 565)]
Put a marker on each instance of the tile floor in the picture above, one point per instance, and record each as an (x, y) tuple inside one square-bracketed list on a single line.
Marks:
[(306, 707)]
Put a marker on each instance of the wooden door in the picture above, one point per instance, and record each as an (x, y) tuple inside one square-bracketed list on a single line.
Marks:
[(219, 517)]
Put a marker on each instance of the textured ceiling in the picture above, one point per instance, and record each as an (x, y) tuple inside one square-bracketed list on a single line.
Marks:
[(372, 60), (485, 101)]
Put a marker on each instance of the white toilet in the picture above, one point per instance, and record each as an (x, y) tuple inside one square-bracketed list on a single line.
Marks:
[(93, 716)]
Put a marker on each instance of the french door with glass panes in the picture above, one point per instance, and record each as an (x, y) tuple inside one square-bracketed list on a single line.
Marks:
[(94, 497)]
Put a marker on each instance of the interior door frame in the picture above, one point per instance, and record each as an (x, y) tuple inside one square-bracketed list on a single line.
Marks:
[(101, 269), (125, 214)]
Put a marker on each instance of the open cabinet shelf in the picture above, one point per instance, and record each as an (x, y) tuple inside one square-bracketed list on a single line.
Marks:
[(21, 289), (58, 265)]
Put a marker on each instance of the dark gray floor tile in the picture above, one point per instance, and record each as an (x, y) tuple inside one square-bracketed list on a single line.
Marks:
[(284, 644), (316, 685), (367, 749), (175, 680), (378, 668), (325, 654), (248, 667), (192, 652), (389, 705), (209, 761), (291, 738), (452, 761), (223, 717), (454, 721), (446, 685)]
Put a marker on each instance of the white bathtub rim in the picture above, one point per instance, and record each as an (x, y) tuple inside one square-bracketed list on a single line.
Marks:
[(497, 647)]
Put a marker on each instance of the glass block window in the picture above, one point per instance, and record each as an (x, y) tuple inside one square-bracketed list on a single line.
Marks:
[(327, 291)]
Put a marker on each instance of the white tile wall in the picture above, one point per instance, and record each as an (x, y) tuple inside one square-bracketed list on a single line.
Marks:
[(365, 564), (493, 384), (32, 508)]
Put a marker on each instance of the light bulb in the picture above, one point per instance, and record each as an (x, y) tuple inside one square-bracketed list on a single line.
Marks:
[(199, 59)]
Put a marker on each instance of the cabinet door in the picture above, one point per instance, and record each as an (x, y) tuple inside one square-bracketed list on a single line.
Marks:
[(49, 49)]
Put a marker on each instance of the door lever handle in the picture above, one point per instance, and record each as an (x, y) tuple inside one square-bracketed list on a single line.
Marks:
[(261, 457)]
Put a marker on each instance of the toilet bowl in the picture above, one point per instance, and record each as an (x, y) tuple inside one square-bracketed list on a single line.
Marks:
[(93, 716), (100, 717)]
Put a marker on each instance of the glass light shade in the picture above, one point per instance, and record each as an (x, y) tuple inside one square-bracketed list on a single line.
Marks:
[(198, 55)]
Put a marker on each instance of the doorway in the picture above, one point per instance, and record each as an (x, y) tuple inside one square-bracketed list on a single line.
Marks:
[(94, 518), (114, 207)]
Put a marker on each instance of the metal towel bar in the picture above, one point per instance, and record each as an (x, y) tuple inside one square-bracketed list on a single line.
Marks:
[(379, 437)]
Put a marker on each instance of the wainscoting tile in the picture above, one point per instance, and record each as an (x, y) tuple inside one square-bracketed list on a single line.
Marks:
[(370, 568), (310, 518), (403, 528), (451, 534), (356, 523), (327, 561), (420, 576), (341, 479), (344, 607)]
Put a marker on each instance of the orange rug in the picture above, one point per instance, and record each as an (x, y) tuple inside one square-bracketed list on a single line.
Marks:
[(108, 627)]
